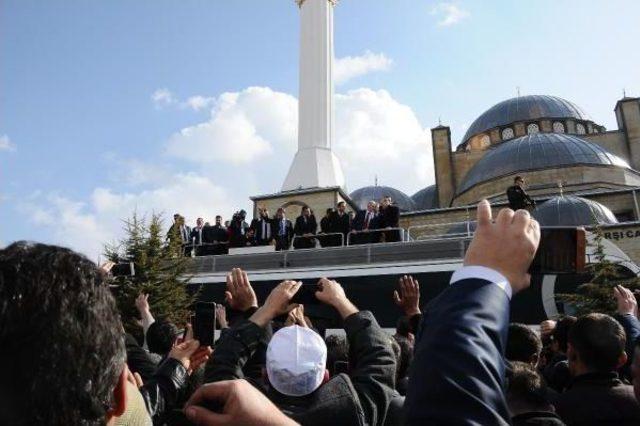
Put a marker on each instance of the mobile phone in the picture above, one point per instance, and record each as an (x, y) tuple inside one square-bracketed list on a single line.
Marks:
[(306, 295), (123, 270), (204, 323), (562, 250)]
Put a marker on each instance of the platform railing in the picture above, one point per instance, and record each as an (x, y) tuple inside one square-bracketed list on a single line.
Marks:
[(317, 239), (421, 232), (372, 232)]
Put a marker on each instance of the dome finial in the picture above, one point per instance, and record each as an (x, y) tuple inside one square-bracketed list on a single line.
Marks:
[(375, 180), (560, 187)]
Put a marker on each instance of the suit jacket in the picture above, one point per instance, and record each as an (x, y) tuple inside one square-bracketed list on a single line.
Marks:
[(340, 224), (457, 374), (257, 225), (389, 217), (198, 234), (310, 227), (325, 225), (288, 229), (359, 221)]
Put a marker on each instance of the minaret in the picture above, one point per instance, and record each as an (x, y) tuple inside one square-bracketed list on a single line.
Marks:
[(315, 165)]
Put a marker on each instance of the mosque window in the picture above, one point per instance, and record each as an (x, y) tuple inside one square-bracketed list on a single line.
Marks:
[(558, 127), (580, 129), (532, 129), (485, 141), (507, 134)]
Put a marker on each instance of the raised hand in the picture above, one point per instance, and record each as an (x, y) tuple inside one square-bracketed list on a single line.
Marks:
[(221, 315), (408, 299), (506, 245), (626, 300), (240, 295), (189, 352), (241, 404), (142, 303), (332, 293), (547, 327), (278, 302)]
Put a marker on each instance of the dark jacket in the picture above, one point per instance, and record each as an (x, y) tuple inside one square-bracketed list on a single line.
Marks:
[(389, 217), (341, 224), (457, 374), (598, 399), (537, 418), (359, 221), (262, 226), (360, 398), (197, 235), (631, 326), (303, 227), (161, 391), (518, 198), (282, 241)]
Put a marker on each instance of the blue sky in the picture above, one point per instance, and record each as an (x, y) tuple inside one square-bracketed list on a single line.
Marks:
[(190, 105)]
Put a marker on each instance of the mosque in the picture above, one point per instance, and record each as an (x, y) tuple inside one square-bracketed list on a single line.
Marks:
[(579, 172)]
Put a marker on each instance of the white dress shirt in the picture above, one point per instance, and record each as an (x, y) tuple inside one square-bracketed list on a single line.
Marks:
[(482, 273)]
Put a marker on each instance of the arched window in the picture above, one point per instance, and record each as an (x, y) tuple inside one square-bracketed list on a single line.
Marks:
[(580, 129), (532, 129), (485, 141), (507, 134), (558, 127)]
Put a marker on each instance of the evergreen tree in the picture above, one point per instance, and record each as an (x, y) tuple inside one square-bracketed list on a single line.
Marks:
[(597, 294), (160, 271)]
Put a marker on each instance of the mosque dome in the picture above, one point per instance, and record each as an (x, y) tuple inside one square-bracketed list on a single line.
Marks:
[(535, 152), (362, 196), (426, 198), (523, 109), (572, 211)]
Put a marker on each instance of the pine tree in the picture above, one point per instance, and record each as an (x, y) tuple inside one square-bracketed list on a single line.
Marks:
[(160, 271), (597, 294)]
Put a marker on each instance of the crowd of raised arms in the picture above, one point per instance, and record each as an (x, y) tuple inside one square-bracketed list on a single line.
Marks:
[(378, 223), (66, 360)]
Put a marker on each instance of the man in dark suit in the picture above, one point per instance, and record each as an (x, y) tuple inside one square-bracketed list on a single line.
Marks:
[(262, 228), (458, 368), (518, 198), (389, 217), (365, 221), (238, 230), (305, 229), (340, 223), (283, 230), (196, 232), (215, 237)]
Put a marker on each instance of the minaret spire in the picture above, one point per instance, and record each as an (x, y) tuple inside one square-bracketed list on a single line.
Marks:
[(315, 165)]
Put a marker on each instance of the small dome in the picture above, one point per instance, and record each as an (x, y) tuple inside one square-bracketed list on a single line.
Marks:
[(535, 152), (572, 211), (426, 198), (362, 196), (524, 108)]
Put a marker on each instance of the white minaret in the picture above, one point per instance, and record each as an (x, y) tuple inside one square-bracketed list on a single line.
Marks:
[(315, 165)]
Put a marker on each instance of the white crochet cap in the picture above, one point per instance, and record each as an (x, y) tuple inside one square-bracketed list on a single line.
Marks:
[(296, 359)]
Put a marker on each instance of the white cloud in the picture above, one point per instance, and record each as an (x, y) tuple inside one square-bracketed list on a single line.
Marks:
[(198, 103), (349, 67), (6, 144), (86, 226), (449, 14), (375, 135), (162, 98), (244, 126)]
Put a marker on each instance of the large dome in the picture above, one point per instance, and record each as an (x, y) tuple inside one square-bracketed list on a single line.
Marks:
[(572, 211), (524, 108), (426, 198), (538, 151), (362, 196)]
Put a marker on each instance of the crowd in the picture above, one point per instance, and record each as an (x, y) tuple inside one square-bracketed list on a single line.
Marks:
[(379, 222), (65, 358)]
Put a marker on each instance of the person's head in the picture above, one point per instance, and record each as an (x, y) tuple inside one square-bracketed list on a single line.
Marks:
[(372, 206), (199, 222), (328, 212), (526, 390), (218, 220), (63, 355), (161, 336), (227, 223), (635, 370), (385, 201), (561, 334), (518, 180), (242, 214), (404, 357), (263, 212), (280, 213), (596, 344), (341, 207), (296, 372), (523, 344), (176, 217), (337, 351), (306, 211)]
